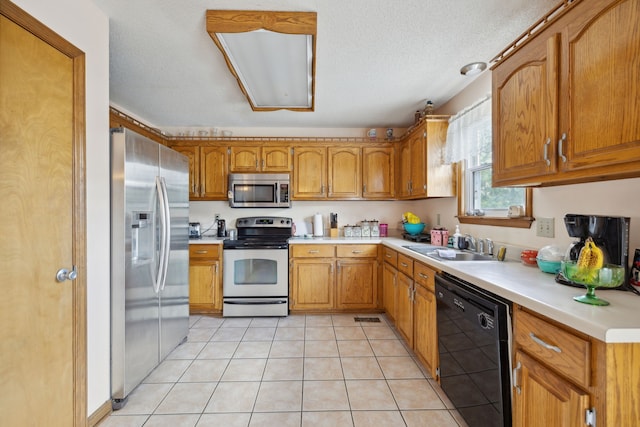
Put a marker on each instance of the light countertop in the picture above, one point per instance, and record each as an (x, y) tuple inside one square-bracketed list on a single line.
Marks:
[(531, 288), (207, 240), (527, 286)]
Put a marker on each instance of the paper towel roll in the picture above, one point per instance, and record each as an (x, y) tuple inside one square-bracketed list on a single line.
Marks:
[(318, 228)]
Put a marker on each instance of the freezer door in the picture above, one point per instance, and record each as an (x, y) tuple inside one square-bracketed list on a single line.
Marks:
[(134, 261), (174, 297)]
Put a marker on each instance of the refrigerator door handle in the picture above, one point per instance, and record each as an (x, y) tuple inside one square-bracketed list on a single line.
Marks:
[(167, 232), (159, 277)]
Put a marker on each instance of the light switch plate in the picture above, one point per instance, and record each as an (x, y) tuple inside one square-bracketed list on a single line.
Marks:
[(545, 227)]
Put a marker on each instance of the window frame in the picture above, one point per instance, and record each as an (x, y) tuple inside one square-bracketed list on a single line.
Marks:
[(461, 187)]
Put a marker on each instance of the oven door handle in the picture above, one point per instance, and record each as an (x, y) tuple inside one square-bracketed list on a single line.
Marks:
[(256, 302)]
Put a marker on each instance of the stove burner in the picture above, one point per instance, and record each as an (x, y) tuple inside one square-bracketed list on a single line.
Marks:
[(421, 238)]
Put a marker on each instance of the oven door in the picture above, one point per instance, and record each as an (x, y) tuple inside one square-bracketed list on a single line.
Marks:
[(256, 273)]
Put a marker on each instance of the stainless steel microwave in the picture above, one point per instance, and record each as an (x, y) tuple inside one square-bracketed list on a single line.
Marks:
[(259, 190)]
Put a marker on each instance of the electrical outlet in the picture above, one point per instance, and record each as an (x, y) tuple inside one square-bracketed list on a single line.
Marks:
[(216, 217), (545, 227)]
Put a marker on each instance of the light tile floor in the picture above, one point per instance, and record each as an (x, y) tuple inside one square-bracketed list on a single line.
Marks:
[(302, 371)]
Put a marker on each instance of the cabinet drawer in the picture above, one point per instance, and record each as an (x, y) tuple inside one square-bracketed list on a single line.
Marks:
[(424, 276), (204, 251), (313, 251), (558, 348), (405, 265), (357, 251), (390, 256)]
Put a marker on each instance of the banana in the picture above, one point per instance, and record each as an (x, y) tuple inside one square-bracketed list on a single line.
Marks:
[(590, 261), (410, 218)]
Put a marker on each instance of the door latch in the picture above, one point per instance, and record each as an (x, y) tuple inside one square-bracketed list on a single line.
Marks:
[(64, 274)]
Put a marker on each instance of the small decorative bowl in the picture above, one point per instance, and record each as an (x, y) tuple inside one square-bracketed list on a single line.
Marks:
[(414, 229), (551, 267), (528, 256)]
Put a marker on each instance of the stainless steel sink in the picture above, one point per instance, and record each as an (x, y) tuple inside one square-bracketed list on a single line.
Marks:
[(432, 252)]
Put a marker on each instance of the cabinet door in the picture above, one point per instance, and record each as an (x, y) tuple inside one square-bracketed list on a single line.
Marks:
[(439, 176), (418, 163), (404, 308), (424, 324), (389, 290), (213, 173), (541, 398), (378, 173), (345, 173), (357, 283), (309, 173), (276, 159), (193, 153), (202, 285), (244, 159), (312, 284), (404, 184), (525, 113), (601, 120)]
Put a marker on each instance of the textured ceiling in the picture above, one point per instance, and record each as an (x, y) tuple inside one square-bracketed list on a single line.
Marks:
[(377, 60)]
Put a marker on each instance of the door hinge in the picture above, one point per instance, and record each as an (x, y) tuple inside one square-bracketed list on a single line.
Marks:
[(590, 417), (438, 372)]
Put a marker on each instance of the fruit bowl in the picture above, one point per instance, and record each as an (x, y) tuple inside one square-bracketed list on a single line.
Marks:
[(609, 276), (414, 229)]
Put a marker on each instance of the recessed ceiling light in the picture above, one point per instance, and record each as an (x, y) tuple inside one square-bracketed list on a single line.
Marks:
[(473, 69)]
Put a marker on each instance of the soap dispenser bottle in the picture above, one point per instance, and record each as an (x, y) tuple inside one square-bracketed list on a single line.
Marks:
[(457, 237)]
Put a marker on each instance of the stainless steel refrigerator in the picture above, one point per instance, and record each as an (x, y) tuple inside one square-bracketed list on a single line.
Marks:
[(149, 257)]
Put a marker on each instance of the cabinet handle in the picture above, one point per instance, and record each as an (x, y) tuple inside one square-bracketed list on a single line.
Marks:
[(339, 266), (544, 344), (387, 255), (364, 188), (314, 251), (216, 268), (403, 264), (424, 276), (560, 153), (322, 189), (202, 252), (262, 163), (546, 152), (516, 378), (355, 251)]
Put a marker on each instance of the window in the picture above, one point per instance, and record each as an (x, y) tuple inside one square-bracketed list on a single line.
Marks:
[(469, 144)]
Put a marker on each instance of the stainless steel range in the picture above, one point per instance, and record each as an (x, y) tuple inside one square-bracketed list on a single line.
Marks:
[(256, 268)]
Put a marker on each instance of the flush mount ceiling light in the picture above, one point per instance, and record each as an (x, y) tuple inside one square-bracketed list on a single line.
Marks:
[(473, 69), (272, 55)]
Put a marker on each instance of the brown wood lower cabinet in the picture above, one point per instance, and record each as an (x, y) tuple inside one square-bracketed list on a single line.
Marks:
[(425, 334), (205, 278), (333, 277), (389, 282), (562, 377), (414, 303)]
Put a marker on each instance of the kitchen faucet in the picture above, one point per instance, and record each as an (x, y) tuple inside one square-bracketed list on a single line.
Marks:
[(470, 242)]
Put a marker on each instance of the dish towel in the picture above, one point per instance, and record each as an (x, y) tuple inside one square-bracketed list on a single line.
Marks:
[(446, 253)]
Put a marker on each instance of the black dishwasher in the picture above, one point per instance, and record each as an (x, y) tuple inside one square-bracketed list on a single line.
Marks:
[(474, 328)]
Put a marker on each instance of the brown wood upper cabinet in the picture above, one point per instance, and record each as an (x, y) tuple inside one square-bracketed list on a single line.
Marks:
[(208, 170), (336, 172), (565, 103), (260, 159), (422, 173)]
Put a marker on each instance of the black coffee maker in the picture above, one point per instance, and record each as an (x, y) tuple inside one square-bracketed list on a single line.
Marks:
[(609, 233)]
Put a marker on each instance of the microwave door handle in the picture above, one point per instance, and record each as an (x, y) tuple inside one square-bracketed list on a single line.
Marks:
[(276, 192)]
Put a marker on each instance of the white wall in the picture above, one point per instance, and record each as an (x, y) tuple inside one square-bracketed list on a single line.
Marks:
[(613, 198), (81, 23), (349, 212)]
